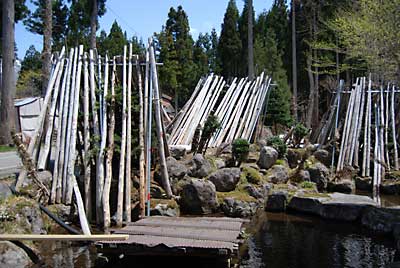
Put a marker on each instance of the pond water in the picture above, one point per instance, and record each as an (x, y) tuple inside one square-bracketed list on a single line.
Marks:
[(277, 240), (282, 240)]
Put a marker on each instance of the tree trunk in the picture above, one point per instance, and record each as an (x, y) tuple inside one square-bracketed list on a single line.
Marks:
[(294, 62), (93, 24), (7, 111), (127, 207), (47, 36), (311, 97), (250, 48)]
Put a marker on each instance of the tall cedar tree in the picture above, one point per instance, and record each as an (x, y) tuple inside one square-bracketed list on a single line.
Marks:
[(29, 80), (230, 45), (7, 112), (178, 75), (243, 30)]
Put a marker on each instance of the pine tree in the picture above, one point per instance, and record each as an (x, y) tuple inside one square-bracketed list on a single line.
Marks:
[(114, 42), (178, 74), (230, 45), (243, 30), (213, 53)]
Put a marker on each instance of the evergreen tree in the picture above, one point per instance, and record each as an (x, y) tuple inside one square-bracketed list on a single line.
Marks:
[(30, 78), (114, 42), (200, 54), (230, 45), (243, 30), (32, 60), (178, 74), (213, 53)]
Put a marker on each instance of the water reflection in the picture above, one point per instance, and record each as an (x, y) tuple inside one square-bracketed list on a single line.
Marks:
[(291, 241)]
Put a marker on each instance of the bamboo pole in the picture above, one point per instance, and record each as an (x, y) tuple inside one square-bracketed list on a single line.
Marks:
[(103, 141), (67, 186), (359, 123), (141, 142), (100, 87), (38, 131), (60, 120), (368, 160), (149, 85), (60, 176), (128, 175), (387, 127), (381, 128), (120, 200), (45, 149), (86, 140), (110, 152), (396, 154), (160, 134), (74, 132)]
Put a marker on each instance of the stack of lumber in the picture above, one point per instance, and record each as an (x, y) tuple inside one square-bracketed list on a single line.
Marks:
[(76, 128), (238, 110), (366, 128)]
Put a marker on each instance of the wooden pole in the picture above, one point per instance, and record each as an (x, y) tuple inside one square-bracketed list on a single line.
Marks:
[(62, 237), (128, 175), (142, 197), (45, 149), (387, 126), (149, 118), (396, 154), (120, 200), (160, 134), (38, 131), (74, 133), (110, 152), (86, 140), (103, 141), (59, 175)]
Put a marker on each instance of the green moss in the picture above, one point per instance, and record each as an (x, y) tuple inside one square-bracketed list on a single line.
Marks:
[(307, 185), (251, 175), (213, 162), (310, 162), (280, 162), (239, 194)]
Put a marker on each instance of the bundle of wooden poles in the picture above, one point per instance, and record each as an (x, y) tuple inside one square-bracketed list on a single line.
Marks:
[(367, 125), (74, 138), (238, 110)]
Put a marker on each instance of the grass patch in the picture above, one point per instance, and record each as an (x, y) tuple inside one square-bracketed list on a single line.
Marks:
[(251, 175), (169, 202), (307, 185), (6, 148)]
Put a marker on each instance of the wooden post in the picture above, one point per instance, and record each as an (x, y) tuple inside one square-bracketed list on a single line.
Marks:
[(103, 141), (396, 154), (149, 85), (110, 152), (387, 126), (86, 140), (142, 197), (120, 200), (74, 133), (45, 148), (60, 176), (163, 164), (38, 131), (128, 175)]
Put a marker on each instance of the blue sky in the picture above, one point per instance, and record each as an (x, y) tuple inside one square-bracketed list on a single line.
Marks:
[(144, 17)]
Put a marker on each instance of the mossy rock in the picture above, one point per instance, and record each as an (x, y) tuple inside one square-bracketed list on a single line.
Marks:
[(252, 175), (238, 194)]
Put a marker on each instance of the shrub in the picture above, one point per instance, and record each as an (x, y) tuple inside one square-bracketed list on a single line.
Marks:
[(240, 150), (307, 185), (278, 144), (299, 132)]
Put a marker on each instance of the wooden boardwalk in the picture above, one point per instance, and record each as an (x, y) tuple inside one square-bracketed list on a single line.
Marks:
[(169, 236)]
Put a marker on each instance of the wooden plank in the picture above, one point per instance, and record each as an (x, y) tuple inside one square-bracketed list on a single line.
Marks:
[(128, 174), (34, 237)]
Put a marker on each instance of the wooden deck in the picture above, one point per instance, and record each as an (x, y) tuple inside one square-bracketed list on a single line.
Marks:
[(166, 236)]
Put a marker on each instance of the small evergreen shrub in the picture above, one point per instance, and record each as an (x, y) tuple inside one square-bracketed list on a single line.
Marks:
[(240, 150), (299, 132), (278, 144)]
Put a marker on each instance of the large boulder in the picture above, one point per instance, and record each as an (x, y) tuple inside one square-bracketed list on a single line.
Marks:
[(226, 179), (323, 156), (277, 202), (294, 157), (198, 197), (342, 186), (390, 187), (199, 167), (5, 191), (12, 256), (381, 220), (268, 157), (177, 151), (238, 208), (336, 206), (279, 174), (254, 191), (176, 169), (165, 207), (319, 174), (363, 183)]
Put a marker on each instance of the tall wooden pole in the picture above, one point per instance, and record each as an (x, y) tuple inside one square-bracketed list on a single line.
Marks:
[(86, 140), (47, 36), (160, 134), (127, 207), (396, 154), (141, 141), (149, 88), (121, 183)]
